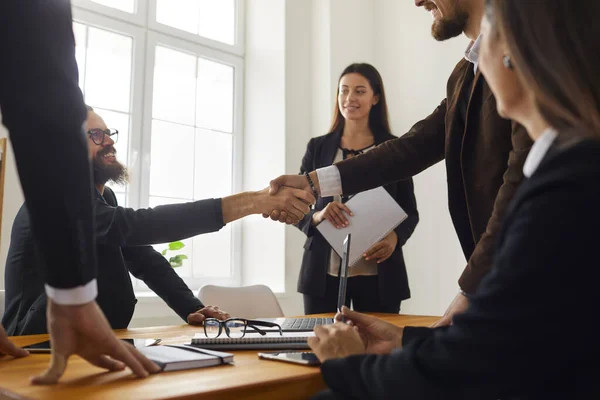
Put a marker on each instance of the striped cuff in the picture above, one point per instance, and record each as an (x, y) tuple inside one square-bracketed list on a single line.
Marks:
[(73, 297), (330, 181)]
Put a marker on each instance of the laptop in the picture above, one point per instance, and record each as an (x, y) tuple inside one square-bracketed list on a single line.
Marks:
[(308, 324)]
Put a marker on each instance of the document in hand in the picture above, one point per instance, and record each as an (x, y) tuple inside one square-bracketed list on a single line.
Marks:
[(376, 214), (175, 358)]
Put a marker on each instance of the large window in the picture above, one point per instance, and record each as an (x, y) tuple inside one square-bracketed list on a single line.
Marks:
[(168, 75)]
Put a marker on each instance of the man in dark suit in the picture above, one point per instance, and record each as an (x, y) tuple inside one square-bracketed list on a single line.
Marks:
[(124, 236), (484, 153), (43, 110)]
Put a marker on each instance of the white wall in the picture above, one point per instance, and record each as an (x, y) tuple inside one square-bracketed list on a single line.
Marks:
[(264, 138)]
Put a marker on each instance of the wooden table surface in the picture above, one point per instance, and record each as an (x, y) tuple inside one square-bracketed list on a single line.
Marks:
[(249, 378)]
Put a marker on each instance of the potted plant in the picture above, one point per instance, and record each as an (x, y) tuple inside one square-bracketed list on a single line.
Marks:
[(176, 260)]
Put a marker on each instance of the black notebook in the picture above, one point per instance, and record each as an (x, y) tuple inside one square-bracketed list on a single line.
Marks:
[(175, 358), (289, 341)]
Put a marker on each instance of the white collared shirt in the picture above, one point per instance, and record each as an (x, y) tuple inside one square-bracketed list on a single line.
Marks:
[(472, 52), (538, 151), (75, 296)]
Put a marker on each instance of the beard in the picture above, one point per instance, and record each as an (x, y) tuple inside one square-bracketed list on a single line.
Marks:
[(114, 172), (448, 28)]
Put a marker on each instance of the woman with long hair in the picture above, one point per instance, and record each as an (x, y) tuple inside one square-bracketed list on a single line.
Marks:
[(378, 282), (527, 333)]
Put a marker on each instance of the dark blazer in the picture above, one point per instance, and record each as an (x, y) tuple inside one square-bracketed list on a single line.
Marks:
[(527, 332), (484, 159), (124, 236), (43, 110), (393, 281)]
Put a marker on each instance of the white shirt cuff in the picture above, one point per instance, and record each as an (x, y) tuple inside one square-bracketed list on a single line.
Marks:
[(74, 297), (330, 181)]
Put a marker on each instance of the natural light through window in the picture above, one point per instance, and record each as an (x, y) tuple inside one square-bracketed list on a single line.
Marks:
[(208, 18), (167, 75), (192, 146), (123, 5)]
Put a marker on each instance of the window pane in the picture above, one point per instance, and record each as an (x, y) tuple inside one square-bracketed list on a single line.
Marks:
[(213, 167), (213, 19), (123, 5), (108, 69), (180, 14), (214, 101), (172, 160), (80, 32), (212, 254), (120, 122), (217, 20), (174, 86), (185, 271), (121, 197)]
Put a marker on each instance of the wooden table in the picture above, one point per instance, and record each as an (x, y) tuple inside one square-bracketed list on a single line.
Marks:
[(249, 378)]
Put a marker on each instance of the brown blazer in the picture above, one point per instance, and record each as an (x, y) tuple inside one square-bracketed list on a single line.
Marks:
[(484, 162)]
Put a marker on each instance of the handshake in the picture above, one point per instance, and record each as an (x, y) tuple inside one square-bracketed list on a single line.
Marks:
[(288, 198)]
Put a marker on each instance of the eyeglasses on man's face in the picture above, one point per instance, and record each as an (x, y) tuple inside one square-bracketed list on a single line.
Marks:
[(236, 328), (97, 135)]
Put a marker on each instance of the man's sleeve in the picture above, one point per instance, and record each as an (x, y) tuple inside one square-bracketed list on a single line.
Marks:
[(121, 226), (397, 159), (147, 264), (480, 261), (43, 110)]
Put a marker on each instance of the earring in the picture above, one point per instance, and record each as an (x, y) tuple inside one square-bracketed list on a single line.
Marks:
[(507, 62)]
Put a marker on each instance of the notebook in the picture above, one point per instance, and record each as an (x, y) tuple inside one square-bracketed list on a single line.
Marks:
[(272, 340), (175, 358), (376, 214)]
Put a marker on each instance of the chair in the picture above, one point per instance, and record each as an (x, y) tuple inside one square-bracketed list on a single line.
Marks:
[(256, 301), (1, 303)]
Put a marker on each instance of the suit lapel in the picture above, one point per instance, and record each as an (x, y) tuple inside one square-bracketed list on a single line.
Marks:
[(453, 102), (329, 150)]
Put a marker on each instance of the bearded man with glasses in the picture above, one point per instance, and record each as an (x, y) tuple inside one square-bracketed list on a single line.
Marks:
[(124, 237)]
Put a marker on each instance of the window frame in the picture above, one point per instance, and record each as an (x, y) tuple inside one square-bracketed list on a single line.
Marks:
[(237, 48), (138, 17), (147, 34)]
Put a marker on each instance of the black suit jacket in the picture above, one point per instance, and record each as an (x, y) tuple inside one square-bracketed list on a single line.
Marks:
[(42, 107), (527, 332), (393, 280), (123, 239)]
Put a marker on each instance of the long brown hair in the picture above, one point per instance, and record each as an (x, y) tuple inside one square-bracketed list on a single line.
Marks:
[(555, 46), (378, 116)]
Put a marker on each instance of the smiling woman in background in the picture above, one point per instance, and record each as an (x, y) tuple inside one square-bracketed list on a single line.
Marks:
[(541, 60), (378, 282)]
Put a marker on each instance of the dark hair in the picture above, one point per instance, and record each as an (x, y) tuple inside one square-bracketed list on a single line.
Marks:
[(378, 116), (555, 47)]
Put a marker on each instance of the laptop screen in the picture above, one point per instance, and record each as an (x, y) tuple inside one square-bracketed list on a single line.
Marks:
[(343, 274)]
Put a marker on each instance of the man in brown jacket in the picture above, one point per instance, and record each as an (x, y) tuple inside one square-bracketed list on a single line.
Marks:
[(484, 153)]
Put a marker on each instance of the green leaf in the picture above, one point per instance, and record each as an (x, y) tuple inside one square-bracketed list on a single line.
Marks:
[(176, 246), (164, 252), (177, 261)]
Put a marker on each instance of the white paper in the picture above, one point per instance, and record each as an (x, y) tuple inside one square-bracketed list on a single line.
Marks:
[(376, 213)]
